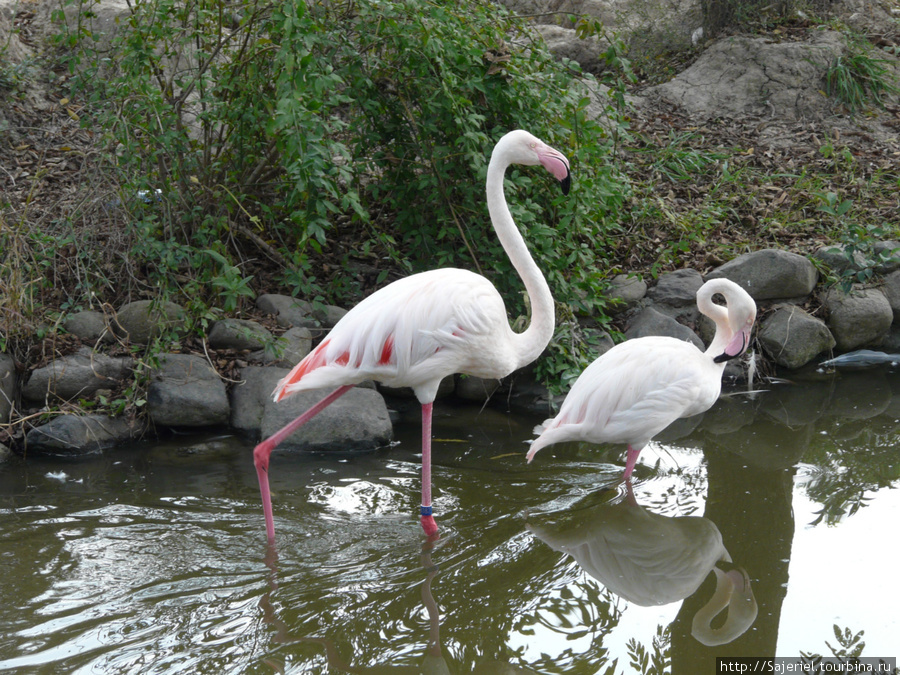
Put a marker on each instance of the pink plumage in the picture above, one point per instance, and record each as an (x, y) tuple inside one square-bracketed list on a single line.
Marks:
[(639, 387)]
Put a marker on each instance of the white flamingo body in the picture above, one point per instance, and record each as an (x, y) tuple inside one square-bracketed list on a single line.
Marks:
[(418, 330), (639, 387), (453, 321)]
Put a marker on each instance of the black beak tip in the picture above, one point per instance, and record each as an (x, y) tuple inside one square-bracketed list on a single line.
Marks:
[(565, 184), (721, 358)]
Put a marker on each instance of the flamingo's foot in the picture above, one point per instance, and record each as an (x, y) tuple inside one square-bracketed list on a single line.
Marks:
[(429, 525)]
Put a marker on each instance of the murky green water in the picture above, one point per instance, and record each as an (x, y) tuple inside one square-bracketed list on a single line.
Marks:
[(153, 559)]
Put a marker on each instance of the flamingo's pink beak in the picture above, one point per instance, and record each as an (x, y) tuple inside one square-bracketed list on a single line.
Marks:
[(737, 346), (556, 163)]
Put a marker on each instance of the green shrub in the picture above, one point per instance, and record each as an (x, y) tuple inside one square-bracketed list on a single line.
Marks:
[(250, 131)]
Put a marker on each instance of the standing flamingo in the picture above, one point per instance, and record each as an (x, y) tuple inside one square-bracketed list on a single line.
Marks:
[(420, 329), (640, 386)]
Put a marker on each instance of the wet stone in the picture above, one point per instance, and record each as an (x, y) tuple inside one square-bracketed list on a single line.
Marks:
[(81, 434)]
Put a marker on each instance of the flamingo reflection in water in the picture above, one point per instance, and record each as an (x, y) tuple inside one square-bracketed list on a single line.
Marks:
[(433, 663), (649, 559)]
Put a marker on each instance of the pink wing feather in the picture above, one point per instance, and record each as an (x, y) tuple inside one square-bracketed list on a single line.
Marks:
[(391, 334)]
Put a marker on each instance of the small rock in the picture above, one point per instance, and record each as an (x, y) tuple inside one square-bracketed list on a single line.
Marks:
[(625, 291), (239, 334), (838, 259), (293, 312), (358, 420), (471, 388), (77, 375), (891, 290), (185, 391), (887, 255), (287, 350), (89, 325), (770, 274), (144, 320), (288, 311), (792, 338), (859, 318), (677, 289), (81, 434), (599, 340), (651, 322)]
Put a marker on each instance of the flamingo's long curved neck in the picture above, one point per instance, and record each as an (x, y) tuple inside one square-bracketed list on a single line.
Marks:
[(733, 325), (718, 314), (530, 342)]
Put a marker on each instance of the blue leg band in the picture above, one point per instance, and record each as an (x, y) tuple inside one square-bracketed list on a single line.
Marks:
[(426, 510)]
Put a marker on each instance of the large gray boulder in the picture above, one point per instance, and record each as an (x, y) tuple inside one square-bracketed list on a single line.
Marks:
[(770, 274), (78, 375), (792, 338), (81, 434), (143, 320), (741, 75), (357, 421), (185, 391), (858, 319), (564, 43)]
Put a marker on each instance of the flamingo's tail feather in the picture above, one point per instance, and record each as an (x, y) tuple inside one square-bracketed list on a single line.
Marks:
[(289, 382)]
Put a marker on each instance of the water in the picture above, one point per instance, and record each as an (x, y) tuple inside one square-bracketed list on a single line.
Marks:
[(152, 559)]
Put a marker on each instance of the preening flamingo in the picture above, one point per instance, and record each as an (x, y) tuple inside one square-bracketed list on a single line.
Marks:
[(640, 386), (420, 329)]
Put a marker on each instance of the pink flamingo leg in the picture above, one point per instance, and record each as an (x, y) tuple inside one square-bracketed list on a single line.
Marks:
[(427, 519), (262, 452), (630, 461)]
